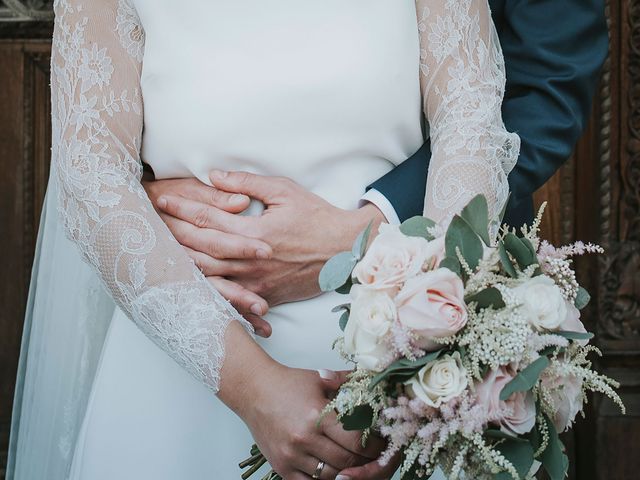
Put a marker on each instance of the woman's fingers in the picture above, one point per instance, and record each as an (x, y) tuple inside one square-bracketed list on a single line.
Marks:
[(246, 302), (311, 463), (372, 470), (351, 441), (334, 455)]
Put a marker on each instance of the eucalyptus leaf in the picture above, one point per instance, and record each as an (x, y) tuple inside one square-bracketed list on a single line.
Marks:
[(418, 226), (452, 264), (519, 454), (574, 335), (553, 459), (500, 435), (506, 261), (404, 368), (344, 306), (504, 209), (362, 240), (360, 418), (460, 235), (552, 350), (344, 319), (346, 288), (526, 379), (489, 297), (476, 214), (519, 250), (582, 298), (337, 271)]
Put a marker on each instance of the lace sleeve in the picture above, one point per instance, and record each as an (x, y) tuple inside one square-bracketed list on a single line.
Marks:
[(97, 123), (463, 80)]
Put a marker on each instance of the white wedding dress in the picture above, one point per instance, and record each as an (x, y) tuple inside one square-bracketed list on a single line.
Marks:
[(331, 93)]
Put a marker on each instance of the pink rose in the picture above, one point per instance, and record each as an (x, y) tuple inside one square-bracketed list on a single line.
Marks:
[(572, 322), (517, 414), (432, 306), (566, 397), (394, 257)]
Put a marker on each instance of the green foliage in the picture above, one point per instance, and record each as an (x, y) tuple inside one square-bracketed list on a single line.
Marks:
[(418, 227), (462, 237), (362, 240), (452, 264), (553, 459), (476, 214), (582, 298), (520, 455), (344, 319), (574, 335), (526, 379), (489, 297), (521, 250), (404, 369), (500, 435), (506, 261), (360, 418), (337, 271)]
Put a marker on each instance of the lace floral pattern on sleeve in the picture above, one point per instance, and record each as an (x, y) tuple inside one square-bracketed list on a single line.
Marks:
[(463, 80), (97, 124)]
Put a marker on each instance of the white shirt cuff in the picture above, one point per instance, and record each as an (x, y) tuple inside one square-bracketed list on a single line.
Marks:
[(383, 204)]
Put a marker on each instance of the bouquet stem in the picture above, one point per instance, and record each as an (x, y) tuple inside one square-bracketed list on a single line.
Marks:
[(254, 462)]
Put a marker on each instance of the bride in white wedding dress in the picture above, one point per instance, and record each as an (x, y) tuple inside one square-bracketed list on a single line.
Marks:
[(330, 93)]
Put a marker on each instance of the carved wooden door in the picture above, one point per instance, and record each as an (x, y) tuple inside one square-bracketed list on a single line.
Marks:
[(595, 197)]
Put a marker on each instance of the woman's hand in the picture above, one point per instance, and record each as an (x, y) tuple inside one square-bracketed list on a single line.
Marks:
[(284, 416)]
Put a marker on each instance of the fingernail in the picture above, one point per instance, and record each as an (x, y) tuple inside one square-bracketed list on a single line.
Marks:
[(162, 202), (257, 309), (237, 199), (260, 332), (327, 375), (219, 174), (262, 254), (343, 477)]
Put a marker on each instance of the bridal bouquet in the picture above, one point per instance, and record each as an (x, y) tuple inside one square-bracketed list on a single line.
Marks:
[(469, 355)]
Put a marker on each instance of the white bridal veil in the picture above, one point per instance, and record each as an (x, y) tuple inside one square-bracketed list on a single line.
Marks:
[(68, 313)]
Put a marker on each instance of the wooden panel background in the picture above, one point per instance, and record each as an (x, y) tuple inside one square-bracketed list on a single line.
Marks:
[(594, 197)]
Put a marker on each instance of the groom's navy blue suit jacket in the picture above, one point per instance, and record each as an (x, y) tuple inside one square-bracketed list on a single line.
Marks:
[(554, 50)]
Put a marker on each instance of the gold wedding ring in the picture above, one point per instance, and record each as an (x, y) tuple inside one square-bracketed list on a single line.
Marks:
[(319, 469)]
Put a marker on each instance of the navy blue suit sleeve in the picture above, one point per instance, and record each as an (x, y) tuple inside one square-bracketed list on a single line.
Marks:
[(554, 51)]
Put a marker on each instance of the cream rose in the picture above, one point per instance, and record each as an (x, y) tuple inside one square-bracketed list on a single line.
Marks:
[(566, 396), (543, 303), (365, 336), (432, 306), (393, 258), (572, 322), (517, 414), (439, 381)]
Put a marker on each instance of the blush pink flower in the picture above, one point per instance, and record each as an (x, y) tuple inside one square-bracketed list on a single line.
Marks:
[(567, 398), (516, 415), (432, 306), (393, 258)]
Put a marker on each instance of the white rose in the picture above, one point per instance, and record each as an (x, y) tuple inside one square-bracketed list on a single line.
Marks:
[(543, 303), (366, 333), (394, 257), (439, 381)]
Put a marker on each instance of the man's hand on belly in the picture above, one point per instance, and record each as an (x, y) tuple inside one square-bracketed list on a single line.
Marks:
[(276, 256)]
